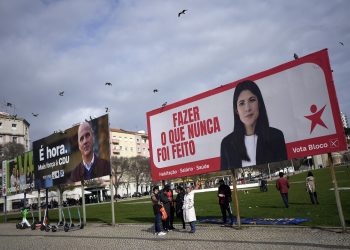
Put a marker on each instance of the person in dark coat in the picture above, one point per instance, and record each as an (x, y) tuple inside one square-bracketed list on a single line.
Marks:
[(179, 201), (225, 198), (252, 141), (163, 197), (91, 165)]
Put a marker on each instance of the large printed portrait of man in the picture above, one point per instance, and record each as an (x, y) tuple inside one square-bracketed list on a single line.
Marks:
[(91, 166)]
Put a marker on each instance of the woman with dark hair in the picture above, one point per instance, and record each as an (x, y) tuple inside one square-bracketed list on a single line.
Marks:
[(252, 141)]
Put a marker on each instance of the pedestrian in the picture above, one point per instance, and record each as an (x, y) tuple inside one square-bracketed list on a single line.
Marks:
[(163, 197), (189, 212), (282, 185), (156, 210), (225, 198), (311, 187), (169, 192), (179, 201)]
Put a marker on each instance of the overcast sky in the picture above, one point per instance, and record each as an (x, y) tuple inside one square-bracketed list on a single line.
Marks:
[(76, 46)]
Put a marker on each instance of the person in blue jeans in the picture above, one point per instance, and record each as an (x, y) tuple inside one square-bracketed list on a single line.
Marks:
[(156, 210)]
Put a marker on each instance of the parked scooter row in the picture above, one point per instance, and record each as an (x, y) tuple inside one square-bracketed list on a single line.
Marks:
[(45, 225)]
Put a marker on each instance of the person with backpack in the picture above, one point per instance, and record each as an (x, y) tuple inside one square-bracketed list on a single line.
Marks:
[(156, 210)]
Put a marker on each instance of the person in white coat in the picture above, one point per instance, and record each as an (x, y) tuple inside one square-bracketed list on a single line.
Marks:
[(189, 212)]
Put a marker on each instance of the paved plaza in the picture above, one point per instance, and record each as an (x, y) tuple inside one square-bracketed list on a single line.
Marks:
[(132, 236)]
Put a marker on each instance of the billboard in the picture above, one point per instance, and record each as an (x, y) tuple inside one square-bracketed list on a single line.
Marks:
[(17, 174), (76, 154), (286, 112)]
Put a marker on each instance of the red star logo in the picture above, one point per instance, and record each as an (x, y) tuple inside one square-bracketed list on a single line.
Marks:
[(315, 118)]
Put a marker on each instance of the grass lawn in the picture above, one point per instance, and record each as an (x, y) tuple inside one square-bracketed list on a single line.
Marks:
[(255, 204)]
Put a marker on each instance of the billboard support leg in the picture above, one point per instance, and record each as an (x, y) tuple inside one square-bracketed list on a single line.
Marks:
[(83, 202), (39, 204), (234, 185), (112, 200), (5, 209), (336, 191), (59, 203)]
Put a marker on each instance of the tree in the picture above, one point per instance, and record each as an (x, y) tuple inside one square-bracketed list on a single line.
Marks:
[(139, 166), (11, 150), (120, 167)]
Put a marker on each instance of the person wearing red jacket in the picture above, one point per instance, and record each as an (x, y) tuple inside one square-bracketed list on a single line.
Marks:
[(282, 185)]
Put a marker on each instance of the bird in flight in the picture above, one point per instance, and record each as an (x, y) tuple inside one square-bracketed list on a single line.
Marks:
[(35, 115), (9, 104), (106, 109), (61, 93), (108, 84), (180, 13), (155, 90), (341, 43), (296, 56), (164, 104)]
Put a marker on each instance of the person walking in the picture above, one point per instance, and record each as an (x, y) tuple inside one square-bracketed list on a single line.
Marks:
[(282, 185), (179, 201), (189, 212), (225, 198), (311, 188), (156, 210)]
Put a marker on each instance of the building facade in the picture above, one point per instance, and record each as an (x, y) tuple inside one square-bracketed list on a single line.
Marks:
[(129, 144), (14, 129)]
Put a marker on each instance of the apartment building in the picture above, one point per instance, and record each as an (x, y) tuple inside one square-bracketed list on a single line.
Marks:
[(128, 143), (14, 129)]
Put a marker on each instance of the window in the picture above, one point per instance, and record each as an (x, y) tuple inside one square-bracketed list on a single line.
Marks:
[(14, 125), (0, 124), (121, 147), (14, 139), (131, 149)]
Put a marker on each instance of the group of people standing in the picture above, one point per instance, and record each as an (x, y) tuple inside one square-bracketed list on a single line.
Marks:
[(183, 206)]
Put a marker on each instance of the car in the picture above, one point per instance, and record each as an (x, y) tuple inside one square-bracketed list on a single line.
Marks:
[(137, 194)]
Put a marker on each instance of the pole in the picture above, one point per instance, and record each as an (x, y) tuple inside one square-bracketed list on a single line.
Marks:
[(112, 200), (5, 209), (39, 204), (336, 191), (234, 185), (59, 204), (24, 200), (83, 202), (268, 166)]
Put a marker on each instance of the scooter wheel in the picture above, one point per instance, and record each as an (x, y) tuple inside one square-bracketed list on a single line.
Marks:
[(42, 227), (47, 229), (81, 226), (17, 225), (32, 226), (66, 228), (54, 229)]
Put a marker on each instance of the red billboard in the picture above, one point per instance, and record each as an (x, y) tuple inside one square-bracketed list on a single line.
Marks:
[(286, 112)]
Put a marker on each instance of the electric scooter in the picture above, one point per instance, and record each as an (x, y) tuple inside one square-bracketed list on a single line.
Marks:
[(70, 225), (35, 224), (24, 223), (61, 224)]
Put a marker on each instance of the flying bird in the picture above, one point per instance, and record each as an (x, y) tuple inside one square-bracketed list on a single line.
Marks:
[(9, 104), (106, 109), (108, 84), (155, 90), (61, 93), (35, 115), (341, 43), (180, 13), (296, 56), (164, 104)]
